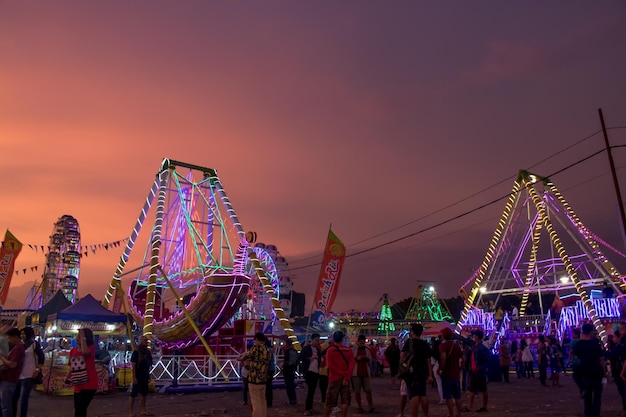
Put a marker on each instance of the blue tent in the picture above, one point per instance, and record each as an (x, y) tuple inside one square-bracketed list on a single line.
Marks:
[(88, 309)]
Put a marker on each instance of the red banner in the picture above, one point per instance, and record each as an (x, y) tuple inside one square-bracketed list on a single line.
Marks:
[(11, 247), (328, 283)]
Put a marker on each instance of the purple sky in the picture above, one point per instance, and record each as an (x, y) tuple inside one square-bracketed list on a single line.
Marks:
[(365, 115)]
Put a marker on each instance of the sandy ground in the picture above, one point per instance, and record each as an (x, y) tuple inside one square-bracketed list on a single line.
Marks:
[(520, 398)]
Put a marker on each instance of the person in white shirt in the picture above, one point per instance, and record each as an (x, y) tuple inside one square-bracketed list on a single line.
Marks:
[(33, 359)]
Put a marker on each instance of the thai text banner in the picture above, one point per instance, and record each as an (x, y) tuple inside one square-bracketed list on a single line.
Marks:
[(328, 283)]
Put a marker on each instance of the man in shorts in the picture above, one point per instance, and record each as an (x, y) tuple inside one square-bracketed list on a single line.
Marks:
[(141, 361), (361, 377), (422, 371), (340, 361), (450, 365)]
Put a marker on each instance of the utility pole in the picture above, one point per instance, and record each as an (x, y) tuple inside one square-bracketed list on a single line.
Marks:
[(613, 172)]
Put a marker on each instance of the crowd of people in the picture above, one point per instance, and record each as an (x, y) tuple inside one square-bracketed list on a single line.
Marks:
[(459, 368), (22, 358)]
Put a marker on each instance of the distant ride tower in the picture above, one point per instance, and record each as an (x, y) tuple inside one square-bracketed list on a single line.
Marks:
[(386, 317), (62, 260), (427, 306)]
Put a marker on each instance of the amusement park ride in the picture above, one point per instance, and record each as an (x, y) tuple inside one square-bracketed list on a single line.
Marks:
[(62, 267), (425, 307), (196, 253), (189, 272), (540, 246)]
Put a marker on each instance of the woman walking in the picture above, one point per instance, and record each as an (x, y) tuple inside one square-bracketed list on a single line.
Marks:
[(82, 372)]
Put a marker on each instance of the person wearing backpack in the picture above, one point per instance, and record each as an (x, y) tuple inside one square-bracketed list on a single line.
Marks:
[(289, 372)]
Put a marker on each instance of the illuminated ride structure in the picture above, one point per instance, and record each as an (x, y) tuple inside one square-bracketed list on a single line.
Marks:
[(197, 254), (258, 304), (62, 261), (426, 306), (377, 324), (539, 247)]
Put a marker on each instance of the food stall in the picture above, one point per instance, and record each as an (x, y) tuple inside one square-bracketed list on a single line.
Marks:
[(86, 313)]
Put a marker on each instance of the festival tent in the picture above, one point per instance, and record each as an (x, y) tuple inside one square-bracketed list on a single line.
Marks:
[(56, 304), (435, 330), (89, 313)]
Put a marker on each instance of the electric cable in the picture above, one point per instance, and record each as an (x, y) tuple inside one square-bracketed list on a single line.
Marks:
[(461, 215), (469, 196)]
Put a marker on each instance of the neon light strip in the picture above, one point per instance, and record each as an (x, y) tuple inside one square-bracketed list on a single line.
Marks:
[(209, 200), (584, 232), (518, 256), (265, 259), (532, 265), (154, 259), (191, 321), (193, 232), (572, 316), (599, 240), (568, 265), (495, 240), (130, 243), (229, 208), (278, 308)]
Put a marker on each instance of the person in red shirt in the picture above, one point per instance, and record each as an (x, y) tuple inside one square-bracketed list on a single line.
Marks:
[(340, 361), (83, 358), (11, 368), (450, 366)]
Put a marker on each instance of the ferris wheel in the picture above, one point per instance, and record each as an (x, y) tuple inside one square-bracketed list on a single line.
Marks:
[(62, 260), (259, 304)]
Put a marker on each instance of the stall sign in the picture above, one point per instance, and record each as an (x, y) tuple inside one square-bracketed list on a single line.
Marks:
[(70, 327)]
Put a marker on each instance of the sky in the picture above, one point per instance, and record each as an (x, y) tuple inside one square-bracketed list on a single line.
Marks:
[(382, 119)]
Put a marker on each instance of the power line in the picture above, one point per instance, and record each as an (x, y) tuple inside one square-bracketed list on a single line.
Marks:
[(459, 216), (463, 199)]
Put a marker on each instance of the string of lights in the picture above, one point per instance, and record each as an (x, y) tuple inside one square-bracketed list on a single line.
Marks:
[(468, 212)]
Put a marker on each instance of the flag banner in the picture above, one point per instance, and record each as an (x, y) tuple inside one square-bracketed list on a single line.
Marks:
[(8, 254), (328, 283)]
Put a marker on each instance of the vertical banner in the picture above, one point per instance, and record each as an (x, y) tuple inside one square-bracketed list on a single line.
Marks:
[(328, 283), (11, 247)]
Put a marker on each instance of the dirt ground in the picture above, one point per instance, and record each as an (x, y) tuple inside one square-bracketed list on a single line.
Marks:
[(520, 398)]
